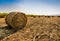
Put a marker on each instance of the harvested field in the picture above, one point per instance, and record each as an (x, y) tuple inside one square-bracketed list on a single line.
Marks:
[(37, 29)]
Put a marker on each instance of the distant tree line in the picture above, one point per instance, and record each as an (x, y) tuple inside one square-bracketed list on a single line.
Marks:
[(2, 15)]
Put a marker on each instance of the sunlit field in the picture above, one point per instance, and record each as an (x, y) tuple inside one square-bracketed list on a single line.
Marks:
[(38, 28)]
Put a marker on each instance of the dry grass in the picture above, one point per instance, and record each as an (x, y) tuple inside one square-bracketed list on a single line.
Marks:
[(2, 22), (38, 29)]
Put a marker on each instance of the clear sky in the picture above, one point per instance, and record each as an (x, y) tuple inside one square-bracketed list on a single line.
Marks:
[(38, 7)]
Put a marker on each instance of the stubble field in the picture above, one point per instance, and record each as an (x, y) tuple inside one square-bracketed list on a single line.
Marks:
[(42, 28)]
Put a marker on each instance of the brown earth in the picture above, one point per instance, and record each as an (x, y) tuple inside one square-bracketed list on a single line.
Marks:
[(37, 29)]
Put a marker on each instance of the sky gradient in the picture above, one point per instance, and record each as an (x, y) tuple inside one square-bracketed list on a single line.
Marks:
[(37, 7)]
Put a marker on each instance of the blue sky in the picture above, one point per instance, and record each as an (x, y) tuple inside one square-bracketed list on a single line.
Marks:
[(38, 7)]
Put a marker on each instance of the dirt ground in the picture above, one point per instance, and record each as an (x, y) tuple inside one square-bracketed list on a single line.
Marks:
[(37, 29)]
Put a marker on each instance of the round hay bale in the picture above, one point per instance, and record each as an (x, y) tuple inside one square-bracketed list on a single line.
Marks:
[(16, 20), (9, 17)]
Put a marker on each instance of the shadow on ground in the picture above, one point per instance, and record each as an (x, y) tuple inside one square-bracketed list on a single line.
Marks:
[(6, 31)]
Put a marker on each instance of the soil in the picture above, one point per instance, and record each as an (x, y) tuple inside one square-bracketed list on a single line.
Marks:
[(37, 29)]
